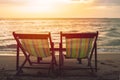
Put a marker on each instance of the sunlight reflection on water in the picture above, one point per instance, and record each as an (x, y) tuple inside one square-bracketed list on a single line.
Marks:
[(109, 30)]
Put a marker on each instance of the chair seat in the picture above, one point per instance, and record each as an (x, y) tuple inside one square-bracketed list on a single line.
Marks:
[(37, 45), (78, 46)]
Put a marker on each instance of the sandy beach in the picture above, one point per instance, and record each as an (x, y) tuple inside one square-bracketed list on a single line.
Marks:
[(108, 69)]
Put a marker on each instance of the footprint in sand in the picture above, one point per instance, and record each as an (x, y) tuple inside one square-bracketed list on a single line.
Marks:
[(109, 64)]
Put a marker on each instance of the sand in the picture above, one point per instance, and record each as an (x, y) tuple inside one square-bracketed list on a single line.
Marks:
[(108, 69)]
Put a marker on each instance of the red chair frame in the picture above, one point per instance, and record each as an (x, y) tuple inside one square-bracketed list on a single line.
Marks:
[(78, 35), (19, 36)]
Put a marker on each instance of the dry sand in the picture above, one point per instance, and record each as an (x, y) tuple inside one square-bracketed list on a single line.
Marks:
[(108, 69)]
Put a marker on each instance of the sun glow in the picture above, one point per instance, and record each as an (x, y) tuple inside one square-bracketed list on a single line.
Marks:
[(49, 5), (41, 6), (78, 1)]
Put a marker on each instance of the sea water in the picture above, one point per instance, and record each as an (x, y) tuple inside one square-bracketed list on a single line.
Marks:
[(109, 30)]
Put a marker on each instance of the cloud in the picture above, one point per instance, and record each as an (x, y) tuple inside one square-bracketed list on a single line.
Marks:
[(13, 2), (107, 2), (94, 2)]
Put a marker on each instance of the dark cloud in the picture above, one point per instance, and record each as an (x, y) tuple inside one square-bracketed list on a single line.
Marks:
[(107, 2)]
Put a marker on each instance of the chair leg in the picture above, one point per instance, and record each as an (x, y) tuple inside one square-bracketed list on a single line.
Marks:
[(52, 67), (39, 59), (62, 56), (96, 63), (17, 58), (89, 61), (61, 64), (28, 58), (80, 61), (61, 60), (17, 61), (89, 64), (52, 64), (20, 68), (96, 58), (54, 60)]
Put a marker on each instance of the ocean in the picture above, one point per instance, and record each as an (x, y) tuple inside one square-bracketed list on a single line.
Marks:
[(109, 30)]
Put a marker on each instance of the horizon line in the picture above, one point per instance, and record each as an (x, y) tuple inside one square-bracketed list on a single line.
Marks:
[(61, 18)]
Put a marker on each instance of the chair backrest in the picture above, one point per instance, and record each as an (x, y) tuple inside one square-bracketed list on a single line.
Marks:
[(78, 45), (34, 44)]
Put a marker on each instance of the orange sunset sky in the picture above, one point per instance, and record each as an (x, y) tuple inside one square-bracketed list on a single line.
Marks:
[(59, 8)]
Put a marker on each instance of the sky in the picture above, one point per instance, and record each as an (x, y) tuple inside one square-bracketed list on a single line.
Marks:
[(59, 8)]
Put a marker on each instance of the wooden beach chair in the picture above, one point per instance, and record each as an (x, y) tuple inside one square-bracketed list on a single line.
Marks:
[(35, 45), (78, 46)]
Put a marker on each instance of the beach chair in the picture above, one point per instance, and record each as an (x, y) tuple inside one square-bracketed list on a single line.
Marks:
[(78, 46), (35, 45)]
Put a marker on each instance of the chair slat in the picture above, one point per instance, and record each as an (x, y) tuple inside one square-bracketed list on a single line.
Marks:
[(78, 48), (35, 47)]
